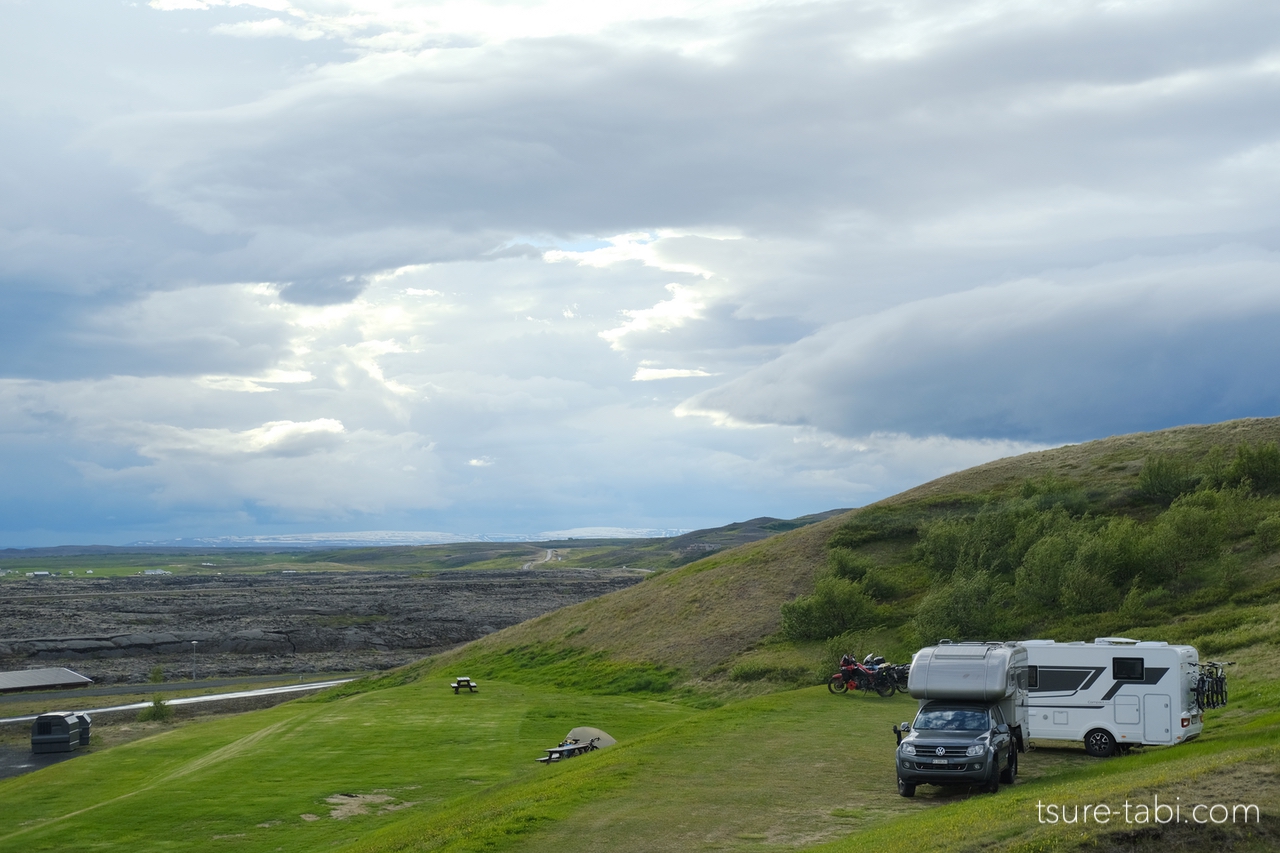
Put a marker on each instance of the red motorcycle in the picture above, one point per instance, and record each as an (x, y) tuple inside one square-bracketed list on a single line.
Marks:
[(864, 677)]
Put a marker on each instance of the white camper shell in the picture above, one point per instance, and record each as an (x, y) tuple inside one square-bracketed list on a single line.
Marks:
[(1112, 693)]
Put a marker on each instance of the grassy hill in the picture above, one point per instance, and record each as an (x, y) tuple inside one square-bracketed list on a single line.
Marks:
[(705, 673)]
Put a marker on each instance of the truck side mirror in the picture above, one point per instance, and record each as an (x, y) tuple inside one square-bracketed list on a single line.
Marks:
[(906, 727), (1002, 729)]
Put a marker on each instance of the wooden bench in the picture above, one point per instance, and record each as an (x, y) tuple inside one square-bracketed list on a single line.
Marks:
[(464, 682)]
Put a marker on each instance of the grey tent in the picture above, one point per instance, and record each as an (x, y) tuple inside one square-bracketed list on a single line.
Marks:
[(583, 734)]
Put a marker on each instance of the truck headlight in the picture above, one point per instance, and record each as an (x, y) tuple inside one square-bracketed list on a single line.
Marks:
[(976, 749), (908, 749)]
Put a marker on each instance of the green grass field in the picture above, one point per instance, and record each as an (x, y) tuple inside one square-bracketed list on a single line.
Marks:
[(435, 771)]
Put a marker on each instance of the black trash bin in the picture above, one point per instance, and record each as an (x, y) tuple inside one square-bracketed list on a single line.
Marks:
[(56, 732)]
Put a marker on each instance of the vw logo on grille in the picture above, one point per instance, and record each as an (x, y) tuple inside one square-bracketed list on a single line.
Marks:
[(940, 751)]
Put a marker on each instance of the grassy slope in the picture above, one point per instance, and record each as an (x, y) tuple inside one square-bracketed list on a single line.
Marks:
[(1109, 463), (695, 618), (783, 770)]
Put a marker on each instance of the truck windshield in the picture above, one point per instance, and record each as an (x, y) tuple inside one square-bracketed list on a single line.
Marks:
[(953, 720)]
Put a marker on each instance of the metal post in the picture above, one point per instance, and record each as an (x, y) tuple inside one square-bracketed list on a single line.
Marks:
[(193, 659)]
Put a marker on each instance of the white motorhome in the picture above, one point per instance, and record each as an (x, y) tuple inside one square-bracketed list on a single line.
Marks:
[(1112, 693)]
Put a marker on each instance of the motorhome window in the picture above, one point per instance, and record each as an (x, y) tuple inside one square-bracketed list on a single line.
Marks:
[(1127, 669), (953, 720), (1033, 677), (999, 716)]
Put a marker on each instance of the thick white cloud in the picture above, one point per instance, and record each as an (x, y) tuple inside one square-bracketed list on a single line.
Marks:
[(274, 267)]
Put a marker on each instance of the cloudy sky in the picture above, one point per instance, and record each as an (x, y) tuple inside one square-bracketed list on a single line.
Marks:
[(513, 266)]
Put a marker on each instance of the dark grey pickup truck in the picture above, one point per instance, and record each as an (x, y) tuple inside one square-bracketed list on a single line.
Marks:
[(956, 743)]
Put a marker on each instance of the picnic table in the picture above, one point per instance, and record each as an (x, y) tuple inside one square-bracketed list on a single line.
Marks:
[(464, 682), (567, 750)]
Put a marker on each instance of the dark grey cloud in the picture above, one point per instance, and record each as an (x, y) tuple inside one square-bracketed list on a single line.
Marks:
[(1036, 361)]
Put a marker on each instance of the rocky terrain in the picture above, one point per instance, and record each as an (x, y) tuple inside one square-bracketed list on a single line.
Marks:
[(120, 629)]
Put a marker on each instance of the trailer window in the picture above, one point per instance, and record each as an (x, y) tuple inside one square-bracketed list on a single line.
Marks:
[(1127, 669), (1033, 677)]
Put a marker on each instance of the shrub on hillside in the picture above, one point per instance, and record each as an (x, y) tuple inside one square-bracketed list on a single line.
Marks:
[(836, 606), (1115, 553), (847, 564), (1268, 533), (1199, 532), (1086, 591), (971, 607), (874, 525), (1038, 580), (879, 584), (1050, 492), (1163, 478), (1257, 466)]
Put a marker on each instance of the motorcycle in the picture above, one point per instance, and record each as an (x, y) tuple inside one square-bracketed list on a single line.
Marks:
[(901, 675), (864, 677)]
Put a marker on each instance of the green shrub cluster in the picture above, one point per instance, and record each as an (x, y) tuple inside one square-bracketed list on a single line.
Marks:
[(1031, 565), (1042, 554), (836, 606), (1253, 467)]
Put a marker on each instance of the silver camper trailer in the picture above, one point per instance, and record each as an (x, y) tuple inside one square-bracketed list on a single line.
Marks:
[(1113, 693), (971, 718)]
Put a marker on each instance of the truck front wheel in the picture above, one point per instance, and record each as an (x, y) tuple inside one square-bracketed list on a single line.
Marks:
[(1011, 769), (993, 782), (906, 789), (1099, 743)]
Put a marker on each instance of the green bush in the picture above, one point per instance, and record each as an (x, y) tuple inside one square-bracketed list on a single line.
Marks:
[(876, 524), (836, 606), (970, 607), (158, 711), (880, 585), (1258, 466), (1199, 532), (1086, 591), (1268, 533), (847, 564), (157, 674), (1115, 553), (1050, 492), (1163, 478), (1039, 578)]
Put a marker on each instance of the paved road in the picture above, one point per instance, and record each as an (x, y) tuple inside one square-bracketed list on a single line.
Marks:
[(78, 696), (196, 700)]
